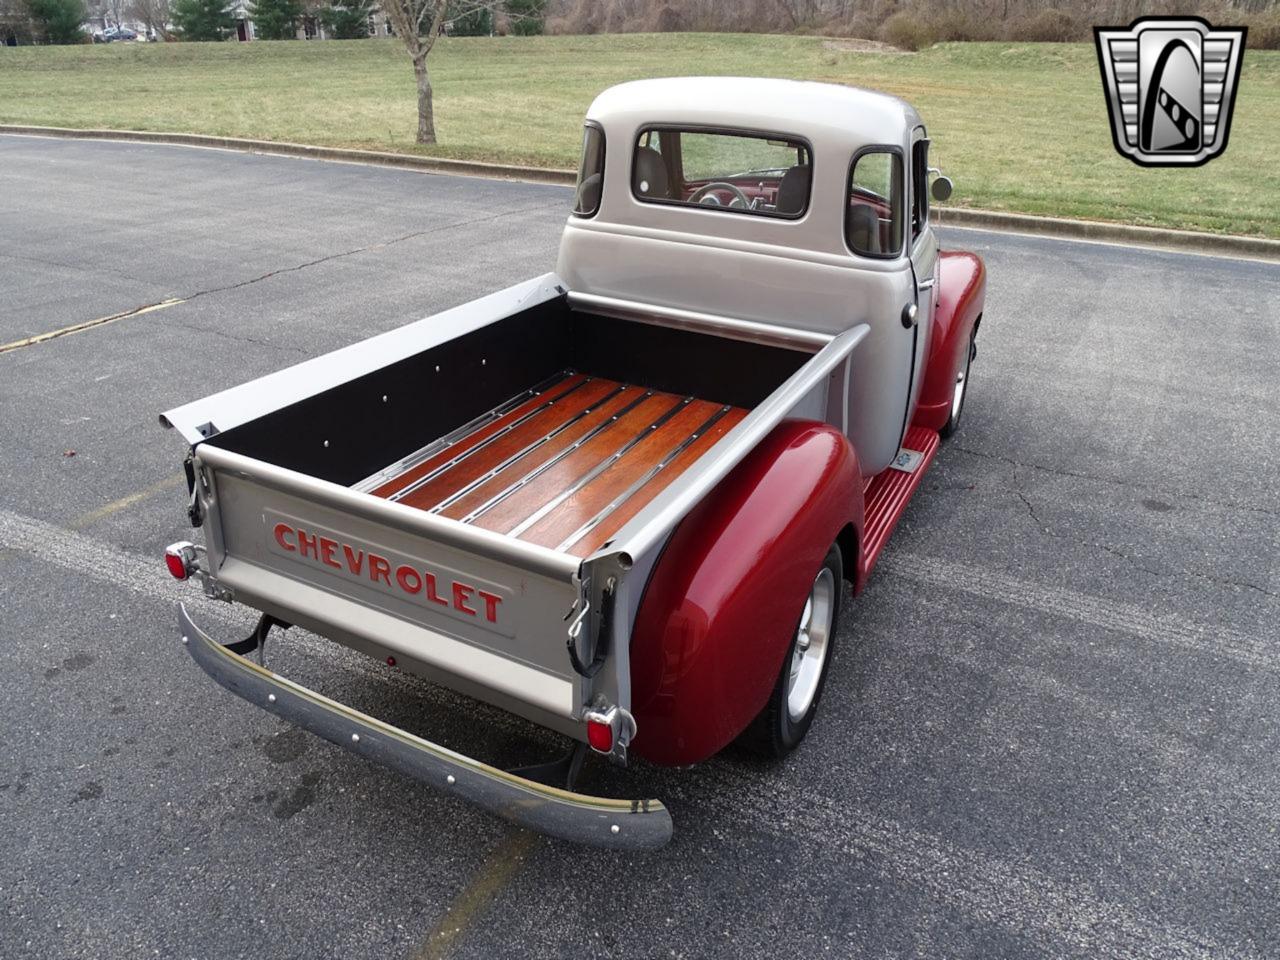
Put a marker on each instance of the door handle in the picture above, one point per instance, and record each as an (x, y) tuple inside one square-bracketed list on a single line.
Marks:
[(925, 284), (909, 314)]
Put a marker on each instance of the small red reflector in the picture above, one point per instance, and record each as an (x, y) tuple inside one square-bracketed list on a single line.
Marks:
[(600, 736), (177, 566), (391, 661)]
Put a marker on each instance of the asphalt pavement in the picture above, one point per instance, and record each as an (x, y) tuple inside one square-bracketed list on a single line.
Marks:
[(1052, 728)]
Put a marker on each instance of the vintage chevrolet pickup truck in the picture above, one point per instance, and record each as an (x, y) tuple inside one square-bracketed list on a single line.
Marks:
[(621, 500)]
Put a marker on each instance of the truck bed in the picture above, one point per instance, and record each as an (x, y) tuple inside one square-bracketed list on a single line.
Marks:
[(564, 464)]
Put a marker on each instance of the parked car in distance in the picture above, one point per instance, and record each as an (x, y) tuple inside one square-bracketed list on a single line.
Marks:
[(112, 34)]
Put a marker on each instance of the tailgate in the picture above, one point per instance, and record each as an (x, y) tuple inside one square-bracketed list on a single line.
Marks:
[(483, 609)]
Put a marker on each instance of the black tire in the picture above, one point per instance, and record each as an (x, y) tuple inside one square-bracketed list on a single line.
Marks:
[(962, 386), (775, 732)]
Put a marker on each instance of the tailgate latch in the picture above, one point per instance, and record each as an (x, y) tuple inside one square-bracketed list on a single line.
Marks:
[(602, 633)]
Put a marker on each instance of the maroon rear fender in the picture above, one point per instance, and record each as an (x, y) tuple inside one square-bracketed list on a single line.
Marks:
[(722, 605), (962, 286)]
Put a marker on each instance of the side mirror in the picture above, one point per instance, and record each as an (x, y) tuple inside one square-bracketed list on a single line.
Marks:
[(941, 189)]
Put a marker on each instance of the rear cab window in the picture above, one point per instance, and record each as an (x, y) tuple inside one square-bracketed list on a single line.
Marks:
[(749, 173)]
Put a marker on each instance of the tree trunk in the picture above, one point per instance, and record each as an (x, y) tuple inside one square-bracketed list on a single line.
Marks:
[(426, 111)]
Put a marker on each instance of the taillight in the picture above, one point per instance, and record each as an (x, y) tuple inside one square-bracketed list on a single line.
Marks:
[(180, 558), (608, 728), (600, 736)]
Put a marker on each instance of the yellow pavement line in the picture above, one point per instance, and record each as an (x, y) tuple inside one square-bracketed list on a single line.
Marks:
[(498, 870), (77, 327), (115, 506)]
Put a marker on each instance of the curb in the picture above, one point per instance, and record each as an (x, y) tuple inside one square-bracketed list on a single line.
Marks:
[(1186, 241), (464, 168)]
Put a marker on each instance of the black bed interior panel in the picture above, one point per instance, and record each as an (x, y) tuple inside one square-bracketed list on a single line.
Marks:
[(349, 432)]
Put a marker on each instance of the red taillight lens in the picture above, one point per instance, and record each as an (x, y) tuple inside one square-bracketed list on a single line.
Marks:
[(600, 736), (180, 558), (177, 566)]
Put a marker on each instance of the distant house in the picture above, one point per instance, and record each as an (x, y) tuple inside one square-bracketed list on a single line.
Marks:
[(100, 19), (311, 28)]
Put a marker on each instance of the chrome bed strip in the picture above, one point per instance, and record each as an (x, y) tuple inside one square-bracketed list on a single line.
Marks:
[(390, 472), (541, 441), (639, 484), (445, 467)]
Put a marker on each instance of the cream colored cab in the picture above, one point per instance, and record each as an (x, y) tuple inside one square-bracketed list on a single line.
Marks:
[(788, 203)]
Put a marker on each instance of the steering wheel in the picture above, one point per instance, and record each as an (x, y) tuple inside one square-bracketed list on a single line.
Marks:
[(702, 194)]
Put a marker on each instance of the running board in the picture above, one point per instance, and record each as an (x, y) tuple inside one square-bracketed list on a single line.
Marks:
[(887, 493)]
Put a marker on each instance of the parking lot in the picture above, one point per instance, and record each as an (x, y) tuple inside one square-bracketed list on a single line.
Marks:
[(1053, 722)]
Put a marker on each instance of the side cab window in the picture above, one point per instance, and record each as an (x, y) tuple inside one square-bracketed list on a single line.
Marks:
[(873, 218), (586, 199), (919, 187)]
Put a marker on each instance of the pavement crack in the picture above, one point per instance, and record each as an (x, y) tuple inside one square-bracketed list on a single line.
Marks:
[(256, 341), (1115, 481), (1016, 489), (367, 248)]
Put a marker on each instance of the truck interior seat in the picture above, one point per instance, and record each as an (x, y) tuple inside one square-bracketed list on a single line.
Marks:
[(793, 189), (862, 228), (649, 174), (589, 193)]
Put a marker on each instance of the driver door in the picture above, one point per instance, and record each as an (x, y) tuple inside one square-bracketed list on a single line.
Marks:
[(924, 264)]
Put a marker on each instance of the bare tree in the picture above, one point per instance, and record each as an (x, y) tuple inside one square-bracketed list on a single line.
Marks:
[(418, 24), (153, 14)]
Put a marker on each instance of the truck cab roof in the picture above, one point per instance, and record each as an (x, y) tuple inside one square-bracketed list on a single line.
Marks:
[(826, 114)]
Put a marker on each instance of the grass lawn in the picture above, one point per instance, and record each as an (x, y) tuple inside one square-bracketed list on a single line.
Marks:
[(1020, 127)]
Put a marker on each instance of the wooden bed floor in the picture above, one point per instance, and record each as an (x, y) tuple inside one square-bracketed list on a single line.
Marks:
[(566, 465)]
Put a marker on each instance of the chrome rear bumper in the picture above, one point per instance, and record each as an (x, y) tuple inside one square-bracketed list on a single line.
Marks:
[(599, 821)]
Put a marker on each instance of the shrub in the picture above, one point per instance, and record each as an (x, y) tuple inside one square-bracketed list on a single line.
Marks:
[(907, 31), (347, 19), (527, 17), (667, 20), (201, 19), (59, 20), (1046, 26), (1264, 33), (276, 19), (964, 25), (477, 22)]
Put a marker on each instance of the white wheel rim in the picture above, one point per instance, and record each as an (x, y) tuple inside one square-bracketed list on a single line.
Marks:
[(813, 640), (957, 398)]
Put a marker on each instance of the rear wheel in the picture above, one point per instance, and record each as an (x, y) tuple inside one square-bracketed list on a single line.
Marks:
[(786, 718), (959, 391)]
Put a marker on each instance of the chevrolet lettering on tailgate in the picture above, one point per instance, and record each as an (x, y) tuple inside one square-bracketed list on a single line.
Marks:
[(462, 598)]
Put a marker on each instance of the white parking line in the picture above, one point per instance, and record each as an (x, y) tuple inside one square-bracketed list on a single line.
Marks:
[(1125, 618), (1012, 894), (86, 325)]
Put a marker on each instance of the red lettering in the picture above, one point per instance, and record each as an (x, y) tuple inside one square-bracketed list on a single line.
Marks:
[(461, 594), (355, 559), (280, 531), (403, 575), (379, 569), (308, 544), (431, 590), (327, 549), (491, 601)]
